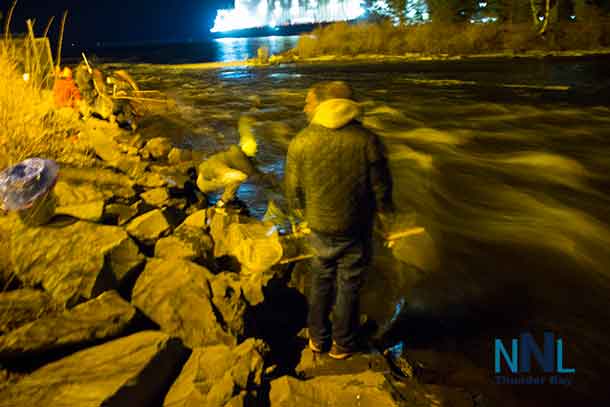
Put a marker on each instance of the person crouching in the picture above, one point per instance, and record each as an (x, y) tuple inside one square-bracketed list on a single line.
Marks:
[(227, 170)]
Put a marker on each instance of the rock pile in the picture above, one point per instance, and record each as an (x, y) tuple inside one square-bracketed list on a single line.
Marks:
[(131, 277)]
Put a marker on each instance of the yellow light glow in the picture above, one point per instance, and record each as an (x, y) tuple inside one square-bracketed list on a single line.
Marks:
[(272, 14)]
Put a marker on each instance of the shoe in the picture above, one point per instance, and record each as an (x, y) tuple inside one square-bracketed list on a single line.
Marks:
[(340, 353), (315, 347)]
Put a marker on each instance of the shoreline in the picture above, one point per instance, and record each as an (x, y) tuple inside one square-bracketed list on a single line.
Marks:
[(280, 60)]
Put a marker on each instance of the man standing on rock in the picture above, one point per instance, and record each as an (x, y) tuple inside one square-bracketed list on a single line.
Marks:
[(337, 174)]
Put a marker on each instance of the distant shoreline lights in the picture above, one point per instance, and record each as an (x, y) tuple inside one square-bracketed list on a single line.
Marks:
[(274, 13)]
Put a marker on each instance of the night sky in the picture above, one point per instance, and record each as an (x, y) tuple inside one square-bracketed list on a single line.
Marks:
[(120, 21)]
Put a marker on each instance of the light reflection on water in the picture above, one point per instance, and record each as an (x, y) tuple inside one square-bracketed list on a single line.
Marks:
[(240, 49)]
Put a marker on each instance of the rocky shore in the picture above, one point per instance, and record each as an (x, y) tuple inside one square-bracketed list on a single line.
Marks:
[(133, 295)]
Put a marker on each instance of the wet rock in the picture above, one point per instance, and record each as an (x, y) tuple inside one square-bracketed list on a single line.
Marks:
[(158, 148), (217, 375), (364, 389), (188, 243), (151, 180), (102, 318), (105, 180), (230, 302), (81, 201), (149, 227), (19, 307), (179, 155), (176, 295), (241, 400), (126, 139), (131, 371), (132, 166), (74, 262), (158, 197), (197, 219), (120, 213)]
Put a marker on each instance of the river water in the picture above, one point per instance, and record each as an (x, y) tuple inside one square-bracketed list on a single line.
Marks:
[(506, 165)]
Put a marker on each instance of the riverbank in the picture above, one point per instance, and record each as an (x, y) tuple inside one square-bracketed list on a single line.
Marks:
[(131, 276), (288, 58)]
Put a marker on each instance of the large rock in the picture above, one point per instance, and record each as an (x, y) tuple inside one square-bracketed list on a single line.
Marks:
[(74, 262), (112, 154), (364, 389), (158, 197), (82, 201), (158, 148), (120, 213), (179, 155), (131, 371), (19, 307), (105, 180), (197, 219), (149, 227), (230, 302), (217, 375), (102, 318), (189, 243), (176, 295), (151, 180)]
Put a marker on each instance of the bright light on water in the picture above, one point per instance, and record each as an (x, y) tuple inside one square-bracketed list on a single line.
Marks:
[(261, 13)]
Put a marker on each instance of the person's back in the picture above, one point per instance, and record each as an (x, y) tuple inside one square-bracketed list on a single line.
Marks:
[(335, 155)]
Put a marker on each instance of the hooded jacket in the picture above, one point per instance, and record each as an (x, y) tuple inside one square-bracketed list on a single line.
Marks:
[(336, 171), (233, 158)]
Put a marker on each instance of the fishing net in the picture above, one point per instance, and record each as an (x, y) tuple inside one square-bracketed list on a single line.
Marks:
[(256, 245)]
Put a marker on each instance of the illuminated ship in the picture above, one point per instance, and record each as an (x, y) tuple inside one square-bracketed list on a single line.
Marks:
[(272, 17)]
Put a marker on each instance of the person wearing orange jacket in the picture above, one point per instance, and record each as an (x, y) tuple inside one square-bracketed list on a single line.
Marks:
[(65, 91)]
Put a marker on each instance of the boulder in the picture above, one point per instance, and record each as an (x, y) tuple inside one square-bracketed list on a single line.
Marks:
[(197, 219), (73, 262), (176, 295), (81, 201), (363, 389), (19, 307), (187, 243), (216, 375), (120, 213), (112, 153), (105, 180), (127, 139), (158, 197), (158, 148), (131, 371), (151, 180), (179, 155), (230, 303), (102, 318), (149, 227)]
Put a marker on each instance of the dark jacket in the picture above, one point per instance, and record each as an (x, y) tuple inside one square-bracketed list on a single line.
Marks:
[(337, 172)]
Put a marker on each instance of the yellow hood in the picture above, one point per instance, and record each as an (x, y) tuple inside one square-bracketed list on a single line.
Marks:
[(336, 113)]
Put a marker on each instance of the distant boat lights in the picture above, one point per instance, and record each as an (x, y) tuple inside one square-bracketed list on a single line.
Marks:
[(274, 13)]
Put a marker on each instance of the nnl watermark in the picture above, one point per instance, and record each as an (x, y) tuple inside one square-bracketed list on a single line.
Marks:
[(522, 349)]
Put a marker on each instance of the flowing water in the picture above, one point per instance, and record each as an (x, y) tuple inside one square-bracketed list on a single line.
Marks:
[(506, 165)]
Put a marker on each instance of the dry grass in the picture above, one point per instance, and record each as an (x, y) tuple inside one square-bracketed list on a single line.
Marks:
[(30, 124), (344, 39)]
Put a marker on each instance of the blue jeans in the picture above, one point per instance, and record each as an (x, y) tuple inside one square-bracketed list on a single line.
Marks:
[(336, 279)]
